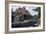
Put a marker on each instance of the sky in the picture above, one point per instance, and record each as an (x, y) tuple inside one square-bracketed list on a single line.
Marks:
[(29, 8)]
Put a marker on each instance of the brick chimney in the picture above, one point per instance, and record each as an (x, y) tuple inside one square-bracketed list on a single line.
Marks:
[(23, 7)]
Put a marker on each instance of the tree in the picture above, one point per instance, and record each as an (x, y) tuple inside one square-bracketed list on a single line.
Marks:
[(13, 15), (39, 11)]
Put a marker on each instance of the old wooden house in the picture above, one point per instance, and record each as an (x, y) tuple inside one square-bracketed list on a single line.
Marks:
[(22, 14)]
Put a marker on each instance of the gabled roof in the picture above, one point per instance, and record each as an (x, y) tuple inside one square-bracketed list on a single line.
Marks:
[(24, 11)]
